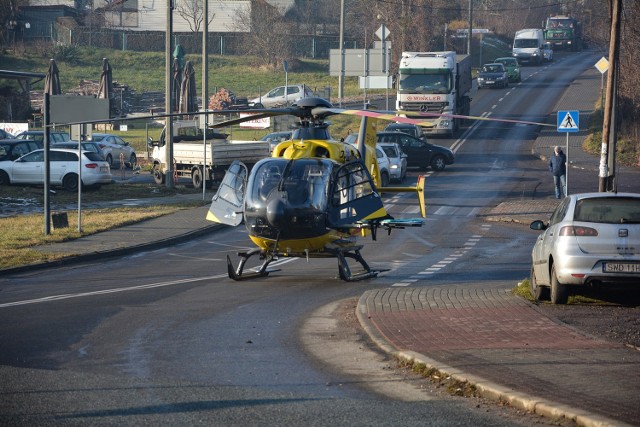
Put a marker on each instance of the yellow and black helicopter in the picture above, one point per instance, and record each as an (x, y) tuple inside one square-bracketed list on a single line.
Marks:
[(314, 196)]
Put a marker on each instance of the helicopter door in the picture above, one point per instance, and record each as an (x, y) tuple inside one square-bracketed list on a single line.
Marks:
[(354, 196), (227, 205)]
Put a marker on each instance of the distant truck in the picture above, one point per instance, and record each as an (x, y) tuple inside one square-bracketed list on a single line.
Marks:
[(528, 46), (563, 32), (435, 82), (189, 154)]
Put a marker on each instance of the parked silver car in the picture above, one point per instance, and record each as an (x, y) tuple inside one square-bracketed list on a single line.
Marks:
[(281, 96), (112, 146), (591, 239)]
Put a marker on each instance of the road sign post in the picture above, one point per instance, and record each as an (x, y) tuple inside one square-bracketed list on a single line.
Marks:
[(568, 121)]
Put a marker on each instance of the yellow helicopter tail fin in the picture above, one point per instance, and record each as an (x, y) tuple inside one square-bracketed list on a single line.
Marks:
[(367, 147), (420, 190)]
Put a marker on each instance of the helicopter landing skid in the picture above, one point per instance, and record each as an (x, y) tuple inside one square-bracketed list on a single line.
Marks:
[(345, 271), (237, 274)]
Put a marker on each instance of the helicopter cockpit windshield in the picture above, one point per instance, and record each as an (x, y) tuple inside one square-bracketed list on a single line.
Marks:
[(303, 183)]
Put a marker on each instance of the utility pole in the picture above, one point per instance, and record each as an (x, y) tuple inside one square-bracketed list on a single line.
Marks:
[(341, 76), (470, 28), (606, 180), (168, 135)]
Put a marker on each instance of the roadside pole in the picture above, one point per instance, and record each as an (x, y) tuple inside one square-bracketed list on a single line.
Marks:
[(568, 121)]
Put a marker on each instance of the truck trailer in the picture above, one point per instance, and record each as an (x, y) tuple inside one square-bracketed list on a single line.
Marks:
[(437, 83)]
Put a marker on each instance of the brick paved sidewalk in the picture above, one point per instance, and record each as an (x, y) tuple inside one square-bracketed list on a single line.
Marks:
[(507, 349)]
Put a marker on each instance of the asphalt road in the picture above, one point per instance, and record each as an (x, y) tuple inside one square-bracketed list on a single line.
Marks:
[(164, 336)]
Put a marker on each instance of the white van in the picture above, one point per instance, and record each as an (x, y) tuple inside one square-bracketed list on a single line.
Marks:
[(528, 45)]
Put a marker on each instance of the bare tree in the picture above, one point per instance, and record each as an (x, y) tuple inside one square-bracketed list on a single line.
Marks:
[(192, 12), (267, 34)]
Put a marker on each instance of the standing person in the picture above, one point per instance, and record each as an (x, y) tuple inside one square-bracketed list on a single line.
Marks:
[(558, 167)]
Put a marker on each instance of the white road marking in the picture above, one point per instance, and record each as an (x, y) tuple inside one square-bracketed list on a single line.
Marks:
[(110, 291)]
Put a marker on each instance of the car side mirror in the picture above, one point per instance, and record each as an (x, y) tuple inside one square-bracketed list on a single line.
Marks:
[(538, 225), (152, 143)]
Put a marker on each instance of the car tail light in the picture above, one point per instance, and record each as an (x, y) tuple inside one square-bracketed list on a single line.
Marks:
[(91, 165), (578, 231)]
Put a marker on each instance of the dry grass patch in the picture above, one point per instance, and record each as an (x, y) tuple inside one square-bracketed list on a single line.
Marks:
[(18, 235)]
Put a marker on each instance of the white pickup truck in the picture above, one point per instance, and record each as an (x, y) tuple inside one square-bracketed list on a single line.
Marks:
[(189, 154)]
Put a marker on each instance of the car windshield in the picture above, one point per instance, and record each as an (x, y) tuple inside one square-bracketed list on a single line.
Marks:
[(525, 43), (491, 69), (390, 151), (425, 83), (508, 62), (609, 210)]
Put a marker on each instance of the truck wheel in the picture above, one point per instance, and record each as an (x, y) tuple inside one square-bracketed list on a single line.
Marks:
[(158, 176), (196, 178)]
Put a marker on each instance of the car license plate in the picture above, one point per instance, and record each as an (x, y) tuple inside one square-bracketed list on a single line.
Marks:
[(103, 169), (621, 267)]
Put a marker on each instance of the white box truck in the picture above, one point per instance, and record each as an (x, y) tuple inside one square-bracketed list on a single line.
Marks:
[(438, 83), (528, 46)]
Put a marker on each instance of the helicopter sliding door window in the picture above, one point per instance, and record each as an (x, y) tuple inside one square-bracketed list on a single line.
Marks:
[(353, 195)]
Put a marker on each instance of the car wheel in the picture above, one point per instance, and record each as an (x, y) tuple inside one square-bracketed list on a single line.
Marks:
[(258, 106), (384, 178), (196, 178), (4, 178), (109, 160), (132, 160), (559, 292), (403, 175), (158, 176), (539, 293), (438, 163), (70, 182)]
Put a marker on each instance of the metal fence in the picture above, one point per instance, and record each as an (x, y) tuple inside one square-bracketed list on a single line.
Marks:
[(305, 46)]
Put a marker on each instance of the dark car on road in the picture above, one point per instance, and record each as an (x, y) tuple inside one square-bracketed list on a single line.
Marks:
[(493, 75), (11, 149), (38, 135), (413, 130), (419, 152)]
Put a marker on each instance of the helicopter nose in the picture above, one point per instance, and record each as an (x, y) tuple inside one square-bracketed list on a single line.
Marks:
[(275, 212)]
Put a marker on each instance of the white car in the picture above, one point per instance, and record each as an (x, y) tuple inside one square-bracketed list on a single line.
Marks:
[(63, 169), (547, 52), (276, 97), (384, 165), (592, 239), (397, 160), (112, 146)]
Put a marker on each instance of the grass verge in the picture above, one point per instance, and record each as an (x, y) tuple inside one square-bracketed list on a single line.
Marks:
[(17, 247)]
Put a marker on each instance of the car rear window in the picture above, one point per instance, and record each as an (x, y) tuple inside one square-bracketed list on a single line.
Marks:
[(94, 157), (619, 210)]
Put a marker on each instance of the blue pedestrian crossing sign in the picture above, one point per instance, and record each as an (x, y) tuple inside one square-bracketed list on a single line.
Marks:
[(568, 121)]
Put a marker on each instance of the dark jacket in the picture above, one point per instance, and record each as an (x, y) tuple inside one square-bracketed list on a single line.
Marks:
[(557, 164)]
